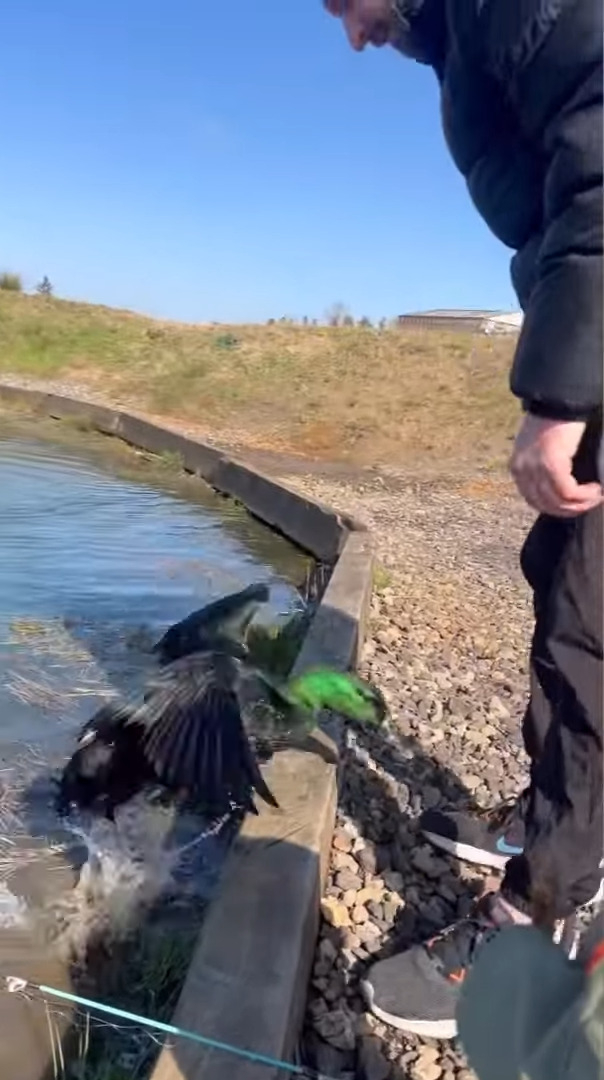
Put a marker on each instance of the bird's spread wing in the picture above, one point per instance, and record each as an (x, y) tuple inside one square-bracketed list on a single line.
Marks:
[(106, 721), (225, 618), (194, 735)]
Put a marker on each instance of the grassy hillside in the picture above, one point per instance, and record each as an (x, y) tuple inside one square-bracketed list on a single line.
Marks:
[(368, 397)]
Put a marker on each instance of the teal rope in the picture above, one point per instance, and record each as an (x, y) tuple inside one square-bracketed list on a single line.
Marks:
[(171, 1029)]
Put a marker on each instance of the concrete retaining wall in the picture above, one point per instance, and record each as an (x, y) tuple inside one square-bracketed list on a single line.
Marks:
[(248, 977)]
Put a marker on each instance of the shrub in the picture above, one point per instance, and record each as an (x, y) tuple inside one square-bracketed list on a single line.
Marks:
[(11, 282)]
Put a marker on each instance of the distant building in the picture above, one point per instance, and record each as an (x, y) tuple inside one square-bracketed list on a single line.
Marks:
[(478, 322)]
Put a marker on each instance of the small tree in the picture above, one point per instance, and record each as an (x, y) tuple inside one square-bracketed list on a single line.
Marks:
[(11, 282), (44, 287), (365, 322)]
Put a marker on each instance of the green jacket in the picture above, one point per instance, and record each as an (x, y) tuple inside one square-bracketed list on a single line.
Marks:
[(527, 1012)]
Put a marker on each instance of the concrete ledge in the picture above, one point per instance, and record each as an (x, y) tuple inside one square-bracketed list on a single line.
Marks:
[(248, 978)]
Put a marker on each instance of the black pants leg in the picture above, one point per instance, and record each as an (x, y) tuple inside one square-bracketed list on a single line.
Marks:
[(559, 870)]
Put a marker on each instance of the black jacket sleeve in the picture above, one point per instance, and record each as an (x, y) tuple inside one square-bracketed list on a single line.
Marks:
[(547, 55)]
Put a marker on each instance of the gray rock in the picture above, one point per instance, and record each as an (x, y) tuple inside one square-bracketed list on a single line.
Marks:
[(346, 879), (335, 988), (337, 1029), (374, 1065), (367, 860), (498, 709), (382, 854), (393, 880), (328, 1059), (427, 863), (317, 1007), (368, 932), (343, 861), (431, 796)]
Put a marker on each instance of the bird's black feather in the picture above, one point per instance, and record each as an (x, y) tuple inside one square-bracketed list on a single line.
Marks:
[(224, 620), (108, 766), (195, 738), (187, 736)]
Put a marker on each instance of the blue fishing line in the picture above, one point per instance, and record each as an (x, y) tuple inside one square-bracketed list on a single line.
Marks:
[(14, 984)]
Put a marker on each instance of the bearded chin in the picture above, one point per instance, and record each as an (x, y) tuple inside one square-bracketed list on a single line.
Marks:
[(404, 36)]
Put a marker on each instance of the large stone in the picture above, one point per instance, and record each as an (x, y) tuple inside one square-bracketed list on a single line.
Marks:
[(341, 860), (374, 1064), (368, 932), (471, 781), (337, 1028), (424, 860), (373, 891), (327, 950), (342, 841), (334, 912), (393, 880), (330, 1061), (366, 1024), (423, 1069), (346, 879), (359, 914)]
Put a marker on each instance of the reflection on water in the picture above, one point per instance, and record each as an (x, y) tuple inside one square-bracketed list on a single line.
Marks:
[(99, 552)]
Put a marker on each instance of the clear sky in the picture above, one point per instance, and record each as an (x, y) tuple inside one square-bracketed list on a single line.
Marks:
[(229, 160)]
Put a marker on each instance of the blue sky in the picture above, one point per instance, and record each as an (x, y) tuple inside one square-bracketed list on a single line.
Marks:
[(217, 160)]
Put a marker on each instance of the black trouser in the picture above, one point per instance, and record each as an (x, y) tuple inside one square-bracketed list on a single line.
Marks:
[(563, 806)]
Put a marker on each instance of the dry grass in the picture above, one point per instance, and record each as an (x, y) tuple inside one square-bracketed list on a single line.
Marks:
[(345, 394), (46, 687)]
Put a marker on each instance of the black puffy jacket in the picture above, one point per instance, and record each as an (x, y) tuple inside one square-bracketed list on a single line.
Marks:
[(521, 84)]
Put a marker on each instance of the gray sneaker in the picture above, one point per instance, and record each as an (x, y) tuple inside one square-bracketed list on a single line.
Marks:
[(417, 990)]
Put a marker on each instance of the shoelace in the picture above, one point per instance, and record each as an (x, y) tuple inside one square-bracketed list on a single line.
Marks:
[(454, 948), (498, 816)]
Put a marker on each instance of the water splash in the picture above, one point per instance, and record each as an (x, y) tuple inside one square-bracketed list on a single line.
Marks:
[(13, 909), (151, 854)]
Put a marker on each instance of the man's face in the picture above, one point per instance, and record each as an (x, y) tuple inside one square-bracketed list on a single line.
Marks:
[(367, 22)]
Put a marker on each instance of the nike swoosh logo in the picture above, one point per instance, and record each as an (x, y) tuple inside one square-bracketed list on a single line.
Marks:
[(508, 849)]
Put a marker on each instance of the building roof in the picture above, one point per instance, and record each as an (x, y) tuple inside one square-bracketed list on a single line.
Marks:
[(454, 313)]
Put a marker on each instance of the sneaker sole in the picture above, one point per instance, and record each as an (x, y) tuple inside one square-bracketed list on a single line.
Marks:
[(429, 1029), (467, 853)]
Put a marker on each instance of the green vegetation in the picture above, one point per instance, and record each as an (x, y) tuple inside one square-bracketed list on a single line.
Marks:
[(143, 974), (353, 394), (10, 282), (382, 578), (170, 459), (275, 648)]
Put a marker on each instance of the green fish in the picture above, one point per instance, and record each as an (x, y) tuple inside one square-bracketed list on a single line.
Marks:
[(344, 693)]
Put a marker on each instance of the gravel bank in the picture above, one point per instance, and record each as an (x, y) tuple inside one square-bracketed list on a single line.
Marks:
[(449, 633)]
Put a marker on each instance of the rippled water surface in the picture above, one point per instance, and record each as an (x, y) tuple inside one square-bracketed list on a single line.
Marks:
[(100, 550)]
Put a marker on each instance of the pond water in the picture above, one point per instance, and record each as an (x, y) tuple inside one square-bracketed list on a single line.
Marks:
[(101, 549)]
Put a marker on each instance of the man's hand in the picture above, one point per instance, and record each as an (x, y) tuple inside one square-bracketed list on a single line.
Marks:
[(541, 465)]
